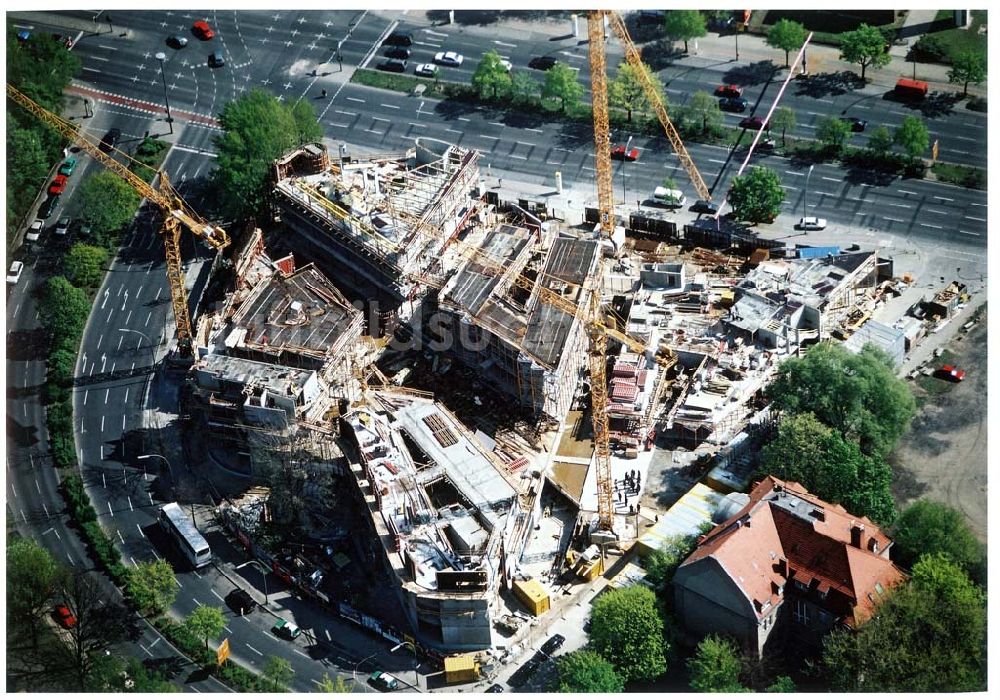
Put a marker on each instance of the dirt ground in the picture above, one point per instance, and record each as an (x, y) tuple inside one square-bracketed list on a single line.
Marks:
[(943, 456)]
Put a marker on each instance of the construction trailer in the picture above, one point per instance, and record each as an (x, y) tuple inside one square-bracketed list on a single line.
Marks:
[(463, 668), (533, 596)]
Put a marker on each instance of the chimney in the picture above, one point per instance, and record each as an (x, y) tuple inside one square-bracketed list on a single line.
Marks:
[(873, 545), (856, 532)]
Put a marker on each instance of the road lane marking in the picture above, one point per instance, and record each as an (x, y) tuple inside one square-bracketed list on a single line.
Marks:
[(140, 530), (301, 653), (932, 226), (130, 508), (218, 596), (38, 486), (831, 179), (496, 124), (938, 211), (107, 393), (102, 424), (974, 218), (901, 206), (969, 233), (889, 218), (86, 393), (196, 601), (713, 160), (946, 199), (155, 642), (145, 649), (906, 192), (356, 99), (464, 119), (519, 157), (252, 649), (383, 104), (795, 172), (126, 395)]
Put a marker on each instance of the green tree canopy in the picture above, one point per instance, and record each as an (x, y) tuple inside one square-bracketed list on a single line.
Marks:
[(627, 630), (523, 88), (787, 35), (880, 140), (108, 204), (781, 684), (63, 310), (206, 621), (562, 83), (491, 78), (152, 586), (626, 91), (585, 671), (704, 108), (913, 136), (928, 636), (968, 67), (784, 119), (84, 264), (279, 670), (99, 624), (864, 46), (662, 563), (258, 128), (859, 395), (715, 666), (334, 685), (833, 132), (757, 196), (32, 578), (930, 527), (684, 25)]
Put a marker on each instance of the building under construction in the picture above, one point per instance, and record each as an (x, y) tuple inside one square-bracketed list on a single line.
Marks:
[(449, 515)]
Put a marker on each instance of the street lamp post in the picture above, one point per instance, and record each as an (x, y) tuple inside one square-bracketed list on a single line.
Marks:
[(357, 665), (737, 35), (624, 161), (150, 456), (161, 57), (413, 648), (805, 192), (254, 564)]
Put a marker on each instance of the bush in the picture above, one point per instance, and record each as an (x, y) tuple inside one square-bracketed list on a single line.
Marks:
[(976, 104), (929, 48), (231, 673), (974, 178)]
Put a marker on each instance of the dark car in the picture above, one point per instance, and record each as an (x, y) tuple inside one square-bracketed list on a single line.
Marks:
[(397, 52), (392, 65), (399, 39), (857, 125), (495, 688), (733, 104), (754, 123), (110, 140), (703, 206), (553, 643), (176, 41), (542, 62), (521, 675), (216, 59), (241, 602), (48, 207)]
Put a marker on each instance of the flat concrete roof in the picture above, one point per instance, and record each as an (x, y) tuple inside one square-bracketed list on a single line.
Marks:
[(472, 286)]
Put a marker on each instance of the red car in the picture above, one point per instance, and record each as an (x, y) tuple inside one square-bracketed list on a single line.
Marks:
[(754, 123), (951, 373), (64, 617), (620, 153), (202, 30), (58, 185), (728, 91)]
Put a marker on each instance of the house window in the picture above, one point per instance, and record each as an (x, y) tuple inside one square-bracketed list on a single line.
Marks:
[(824, 618), (801, 612)]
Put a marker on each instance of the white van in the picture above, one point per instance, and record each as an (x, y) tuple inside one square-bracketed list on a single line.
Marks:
[(671, 198)]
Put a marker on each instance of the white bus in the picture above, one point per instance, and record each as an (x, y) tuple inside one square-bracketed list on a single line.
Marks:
[(189, 540)]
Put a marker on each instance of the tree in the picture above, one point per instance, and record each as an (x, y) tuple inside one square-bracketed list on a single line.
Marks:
[(787, 35), (880, 140), (585, 671), (715, 666), (859, 395), (757, 196), (705, 108), (627, 630), (257, 130), (99, 625), (63, 310), (662, 563), (562, 83), (784, 119), (334, 685), (833, 132), (782, 684), (684, 25), (928, 636), (626, 91), (152, 586), (32, 578), (206, 621), (523, 88), (913, 136), (864, 46), (84, 264), (108, 204), (930, 527), (968, 67), (491, 77), (279, 670)]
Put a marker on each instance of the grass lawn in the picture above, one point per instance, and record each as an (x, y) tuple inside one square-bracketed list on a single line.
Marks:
[(958, 40)]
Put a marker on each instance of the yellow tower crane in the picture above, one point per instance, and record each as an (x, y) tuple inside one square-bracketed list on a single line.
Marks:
[(176, 213)]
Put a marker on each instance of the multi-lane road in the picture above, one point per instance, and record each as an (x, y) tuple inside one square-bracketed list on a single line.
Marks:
[(292, 55)]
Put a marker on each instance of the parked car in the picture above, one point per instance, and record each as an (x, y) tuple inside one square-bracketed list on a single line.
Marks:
[(542, 62), (728, 91), (62, 227), (49, 207), (553, 643), (14, 273), (733, 104), (68, 166), (177, 41), (753, 123), (110, 140), (64, 617), (397, 52), (427, 70), (949, 372), (619, 153), (811, 223), (241, 602), (216, 59), (202, 30), (399, 39), (704, 206), (285, 629), (58, 184), (495, 688), (857, 125), (670, 198), (521, 675), (383, 681), (449, 58), (35, 230), (766, 144), (507, 66), (64, 40), (392, 65)]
